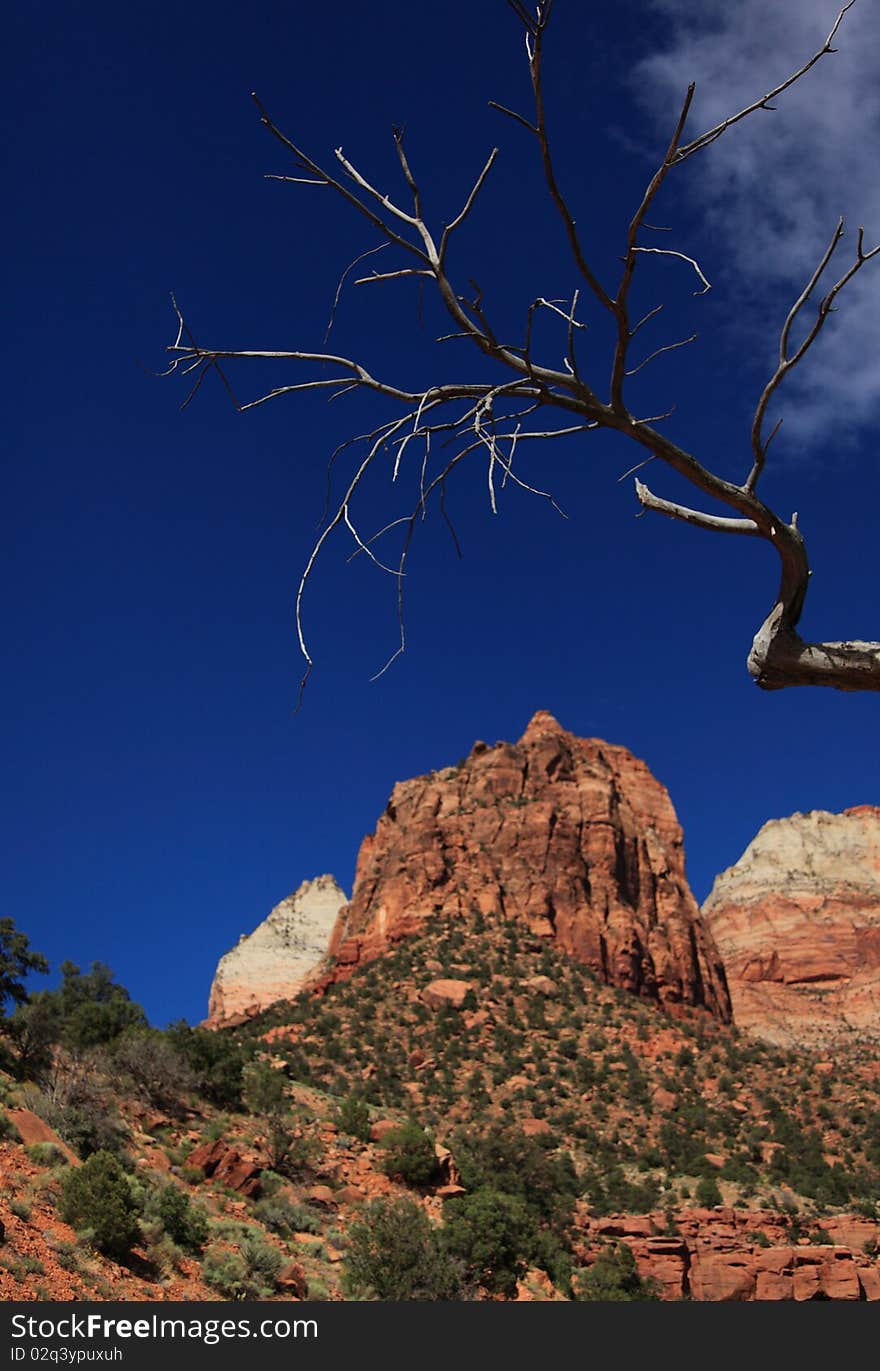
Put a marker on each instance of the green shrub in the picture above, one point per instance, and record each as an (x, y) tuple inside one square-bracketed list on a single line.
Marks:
[(217, 1061), (610, 1192), (46, 1154), (394, 1253), (409, 1154), (279, 1215), (264, 1089), (495, 1237), (252, 1273), (183, 1222), (226, 1271), (503, 1158), (708, 1193), (97, 1196), (161, 1251), (263, 1262), (354, 1117), (613, 1276), (8, 1129), (90, 1127), (82, 1111)]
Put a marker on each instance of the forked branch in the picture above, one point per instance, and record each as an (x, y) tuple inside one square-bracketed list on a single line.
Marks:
[(445, 425)]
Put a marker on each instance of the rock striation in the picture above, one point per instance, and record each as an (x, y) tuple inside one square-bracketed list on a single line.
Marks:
[(797, 921), (274, 961), (572, 837), (743, 1255)]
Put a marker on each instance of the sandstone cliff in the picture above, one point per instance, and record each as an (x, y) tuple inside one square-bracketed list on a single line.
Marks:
[(273, 962), (572, 837), (797, 921)]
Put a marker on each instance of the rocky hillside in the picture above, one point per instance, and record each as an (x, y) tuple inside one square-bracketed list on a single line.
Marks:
[(475, 1081), (731, 1169), (272, 963), (797, 921), (571, 838)]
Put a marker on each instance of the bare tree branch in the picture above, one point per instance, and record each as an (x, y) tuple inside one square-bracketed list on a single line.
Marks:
[(490, 419), (764, 102), (668, 252), (512, 114), (787, 361), (535, 28), (669, 347), (715, 523), (351, 266), (468, 205)]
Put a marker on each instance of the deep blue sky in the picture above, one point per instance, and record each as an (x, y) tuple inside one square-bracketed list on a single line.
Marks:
[(159, 793)]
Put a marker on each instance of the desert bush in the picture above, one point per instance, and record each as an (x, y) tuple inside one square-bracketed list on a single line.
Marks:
[(97, 1196), (154, 1066), (280, 1215), (495, 1237), (708, 1193), (613, 1276), (394, 1253), (8, 1129), (610, 1191), (217, 1061), (354, 1117), (409, 1154), (264, 1089), (79, 1105), (46, 1154), (185, 1224), (226, 1271), (263, 1262), (251, 1273), (503, 1158)]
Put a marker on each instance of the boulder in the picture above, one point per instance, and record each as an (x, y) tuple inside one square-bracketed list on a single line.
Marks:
[(445, 994), (33, 1129)]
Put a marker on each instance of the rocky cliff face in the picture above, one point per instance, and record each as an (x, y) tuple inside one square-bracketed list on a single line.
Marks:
[(797, 921), (572, 837), (728, 1254), (272, 963)]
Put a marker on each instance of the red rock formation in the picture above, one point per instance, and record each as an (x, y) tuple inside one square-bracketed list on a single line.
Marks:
[(571, 837), (739, 1255), (797, 921)]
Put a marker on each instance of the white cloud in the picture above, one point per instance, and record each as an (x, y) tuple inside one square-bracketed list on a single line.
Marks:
[(773, 187)]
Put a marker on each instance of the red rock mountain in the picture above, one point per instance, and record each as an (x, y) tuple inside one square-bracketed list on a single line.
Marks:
[(797, 920), (571, 836)]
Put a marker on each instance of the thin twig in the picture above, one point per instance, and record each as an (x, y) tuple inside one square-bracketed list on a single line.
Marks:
[(668, 252), (670, 347), (369, 253), (763, 103)]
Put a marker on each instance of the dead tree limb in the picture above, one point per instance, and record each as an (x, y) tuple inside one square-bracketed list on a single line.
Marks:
[(490, 419)]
